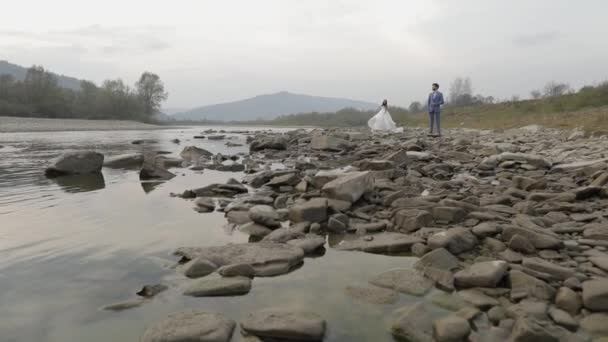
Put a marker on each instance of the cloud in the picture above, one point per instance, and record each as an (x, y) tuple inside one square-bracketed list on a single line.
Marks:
[(96, 39), (535, 39)]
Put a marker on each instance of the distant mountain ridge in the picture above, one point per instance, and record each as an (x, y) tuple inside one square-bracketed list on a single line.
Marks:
[(19, 72), (270, 106)]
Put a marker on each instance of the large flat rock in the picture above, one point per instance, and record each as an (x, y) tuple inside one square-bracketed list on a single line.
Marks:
[(191, 326), (284, 325), (407, 281), (266, 258), (386, 242), (232, 286)]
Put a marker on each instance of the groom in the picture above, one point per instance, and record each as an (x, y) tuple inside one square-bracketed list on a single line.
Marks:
[(434, 103)]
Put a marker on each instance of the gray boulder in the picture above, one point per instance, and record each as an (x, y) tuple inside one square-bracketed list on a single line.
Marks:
[(541, 239), (349, 187), (309, 244), (568, 300), (283, 235), (439, 258), (413, 323), (194, 154), (527, 286), (404, 280), (540, 265), (265, 215), (410, 220), (481, 274), (199, 268), (232, 286), (284, 325), (386, 242), (191, 326), (452, 328), (315, 210), (455, 240), (595, 295), (269, 143), (266, 258), (124, 161), (372, 294), (73, 163), (328, 143)]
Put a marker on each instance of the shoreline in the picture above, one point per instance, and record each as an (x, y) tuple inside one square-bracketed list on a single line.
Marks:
[(11, 124)]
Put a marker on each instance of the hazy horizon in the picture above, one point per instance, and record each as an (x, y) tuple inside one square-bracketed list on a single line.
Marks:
[(211, 52)]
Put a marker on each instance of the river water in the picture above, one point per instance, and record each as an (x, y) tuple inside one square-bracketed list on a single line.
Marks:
[(69, 246)]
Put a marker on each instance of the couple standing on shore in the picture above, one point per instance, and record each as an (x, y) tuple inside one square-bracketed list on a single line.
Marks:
[(384, 122)]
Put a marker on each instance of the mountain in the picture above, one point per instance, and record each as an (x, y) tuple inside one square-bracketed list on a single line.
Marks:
[(19, 72), (271, 106)]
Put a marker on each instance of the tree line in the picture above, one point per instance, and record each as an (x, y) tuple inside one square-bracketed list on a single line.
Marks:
[(39, 95)]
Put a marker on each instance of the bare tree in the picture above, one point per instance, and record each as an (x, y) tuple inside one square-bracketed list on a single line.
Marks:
[(461, 92), (152, 92), (415, 107), (536, 94), (553, 89)]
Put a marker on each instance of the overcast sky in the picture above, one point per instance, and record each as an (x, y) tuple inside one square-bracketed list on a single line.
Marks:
[(215, 51)]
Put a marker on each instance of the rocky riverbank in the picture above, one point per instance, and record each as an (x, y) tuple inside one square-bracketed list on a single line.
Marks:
[(18, 124), (511, 227)]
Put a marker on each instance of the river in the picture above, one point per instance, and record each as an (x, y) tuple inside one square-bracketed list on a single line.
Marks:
[(69, 246)]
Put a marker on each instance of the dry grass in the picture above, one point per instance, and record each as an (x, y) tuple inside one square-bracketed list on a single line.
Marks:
[(491, 117)]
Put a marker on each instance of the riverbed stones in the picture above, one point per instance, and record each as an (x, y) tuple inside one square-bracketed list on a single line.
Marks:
[(595, 294), (74, 163), (232, 286), (284, 325), (481, 274), (349, 187), (407, 281), (191, 326), (266, 258), (522, 158)]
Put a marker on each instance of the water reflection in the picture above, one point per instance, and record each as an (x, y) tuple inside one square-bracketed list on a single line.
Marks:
[(80, 183), (149, 186), (93, 249)]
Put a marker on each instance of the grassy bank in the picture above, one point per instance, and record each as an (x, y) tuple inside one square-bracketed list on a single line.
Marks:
[(503, 116)]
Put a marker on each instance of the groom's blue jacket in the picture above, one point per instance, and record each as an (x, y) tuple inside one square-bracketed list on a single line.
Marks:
[(434, 104)]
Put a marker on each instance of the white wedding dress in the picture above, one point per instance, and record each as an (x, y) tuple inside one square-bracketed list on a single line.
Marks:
[(383, 122)]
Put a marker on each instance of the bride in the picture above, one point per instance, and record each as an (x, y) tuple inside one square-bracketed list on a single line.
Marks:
[(383, 120)]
